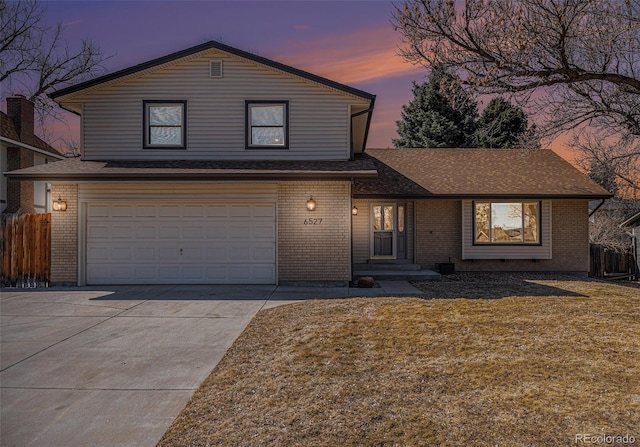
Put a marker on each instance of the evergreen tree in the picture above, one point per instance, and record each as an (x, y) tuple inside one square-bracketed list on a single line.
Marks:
[(501, 125), (441, 114)]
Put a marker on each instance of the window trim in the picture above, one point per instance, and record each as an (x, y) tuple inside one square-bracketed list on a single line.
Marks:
[(146, 128), (248, 127), (474, 242)]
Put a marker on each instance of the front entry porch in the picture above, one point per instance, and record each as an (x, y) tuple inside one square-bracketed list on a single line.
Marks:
[(394, 270), (383, 242)]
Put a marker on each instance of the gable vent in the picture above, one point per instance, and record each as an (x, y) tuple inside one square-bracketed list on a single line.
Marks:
[(215, 68)]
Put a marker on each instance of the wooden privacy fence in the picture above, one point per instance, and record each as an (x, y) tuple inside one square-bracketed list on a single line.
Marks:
[(26, 250), (605, 263)]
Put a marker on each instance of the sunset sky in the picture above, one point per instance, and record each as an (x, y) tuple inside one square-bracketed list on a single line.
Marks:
[(352, 42)]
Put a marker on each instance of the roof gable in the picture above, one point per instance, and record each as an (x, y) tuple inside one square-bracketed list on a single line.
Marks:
[(490, 173), (202, 48)]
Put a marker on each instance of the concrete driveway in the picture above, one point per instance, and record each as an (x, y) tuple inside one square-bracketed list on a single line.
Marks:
[(112, 365)]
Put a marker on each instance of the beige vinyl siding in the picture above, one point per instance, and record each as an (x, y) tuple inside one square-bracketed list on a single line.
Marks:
[(318, 115), (487, 251)]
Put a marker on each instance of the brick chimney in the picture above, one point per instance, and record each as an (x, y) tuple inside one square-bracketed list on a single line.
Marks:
[(20, 194), (21, 111)]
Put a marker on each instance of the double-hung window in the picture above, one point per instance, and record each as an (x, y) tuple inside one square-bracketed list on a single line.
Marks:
[(506, 222), (165, 124), (267, 124)]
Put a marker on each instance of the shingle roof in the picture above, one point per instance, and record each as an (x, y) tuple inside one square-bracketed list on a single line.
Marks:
[(8, 130), (75, 169), (477, 173)]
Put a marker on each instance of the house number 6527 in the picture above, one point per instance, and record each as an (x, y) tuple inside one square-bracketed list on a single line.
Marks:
[(315, 221)]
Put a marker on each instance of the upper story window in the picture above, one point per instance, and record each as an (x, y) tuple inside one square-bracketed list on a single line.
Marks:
[(267, 124), (507, 222), (165, 124)]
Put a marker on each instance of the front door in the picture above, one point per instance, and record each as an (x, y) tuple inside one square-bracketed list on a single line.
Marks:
[(388, 231)]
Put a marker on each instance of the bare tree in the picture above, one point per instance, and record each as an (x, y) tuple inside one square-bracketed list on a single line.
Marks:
[(583, 54), (35, 59), (611, 160), (604, 230)]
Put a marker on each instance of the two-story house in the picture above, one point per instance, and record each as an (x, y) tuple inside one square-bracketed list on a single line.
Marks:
[(214, 165)]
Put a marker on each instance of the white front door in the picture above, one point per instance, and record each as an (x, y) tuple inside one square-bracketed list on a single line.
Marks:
[(198, 243)]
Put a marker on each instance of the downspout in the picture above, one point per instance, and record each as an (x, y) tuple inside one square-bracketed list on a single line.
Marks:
[(351, 263), (366, 130), (597, 207)]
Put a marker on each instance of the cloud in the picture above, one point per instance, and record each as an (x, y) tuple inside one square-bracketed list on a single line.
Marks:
[(300, 27), (359, 57), (75, 22)]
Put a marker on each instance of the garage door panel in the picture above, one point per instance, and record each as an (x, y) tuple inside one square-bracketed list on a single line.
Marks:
[(145, 254), (121, 254), (183, 243), (263, 273), (264, 211), (122, 211), (216, 232), (193, 273), (217, 211), (121, 232), (145, 273), (168, 273), (240, 211), (98, 211), (193, 211), (172, 231), (193, 232), (98, 232), (264, 232), (169, 211), (264, 254), (146, 232), (98, 253)]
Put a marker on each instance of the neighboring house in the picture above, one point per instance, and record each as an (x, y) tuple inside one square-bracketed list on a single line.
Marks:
[(21, 148), (213, 165), (632, 225)]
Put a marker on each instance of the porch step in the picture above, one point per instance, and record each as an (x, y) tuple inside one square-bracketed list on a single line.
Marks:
[(395, 266), (398, 275)]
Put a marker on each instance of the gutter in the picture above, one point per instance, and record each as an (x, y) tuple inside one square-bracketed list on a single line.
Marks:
[(195, 176), (31, 148), (434, 196), (597, 207)]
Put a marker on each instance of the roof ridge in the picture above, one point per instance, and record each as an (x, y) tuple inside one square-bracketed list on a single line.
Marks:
[(212, 44)]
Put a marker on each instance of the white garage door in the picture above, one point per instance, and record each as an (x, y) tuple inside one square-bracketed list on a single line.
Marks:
[(214, 243)]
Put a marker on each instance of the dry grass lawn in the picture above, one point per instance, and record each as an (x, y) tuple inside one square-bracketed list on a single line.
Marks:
[(533, 368)]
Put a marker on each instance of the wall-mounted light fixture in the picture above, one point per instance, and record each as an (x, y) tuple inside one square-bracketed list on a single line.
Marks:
[(59, 205), (354, 210), (311, 204)]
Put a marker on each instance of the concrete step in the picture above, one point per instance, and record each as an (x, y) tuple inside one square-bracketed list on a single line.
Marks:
[(386, 267), (398, 275)]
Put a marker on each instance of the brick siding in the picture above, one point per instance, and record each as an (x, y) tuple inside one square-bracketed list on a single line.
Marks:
[(64, 237), (319, 253), (439, 239)]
